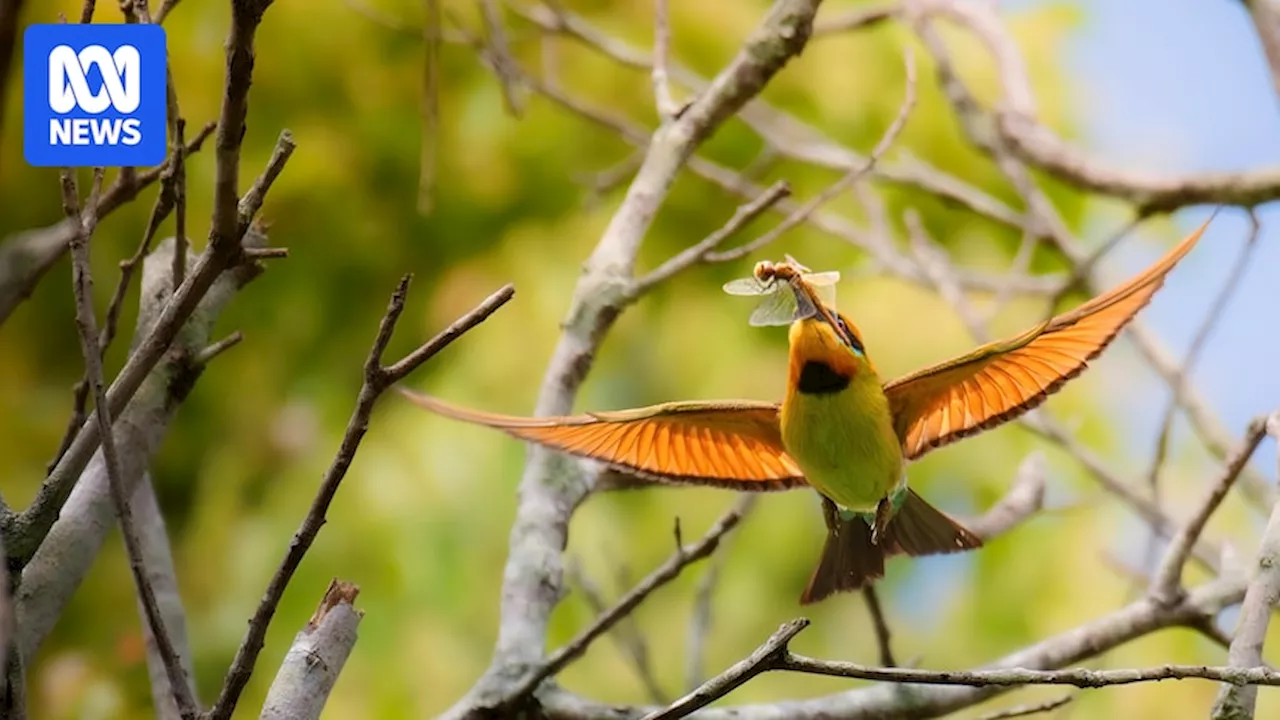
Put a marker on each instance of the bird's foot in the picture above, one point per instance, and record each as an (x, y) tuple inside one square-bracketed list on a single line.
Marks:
[(884, 511)]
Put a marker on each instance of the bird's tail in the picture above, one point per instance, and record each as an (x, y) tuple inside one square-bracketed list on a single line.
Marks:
[(850, 560)]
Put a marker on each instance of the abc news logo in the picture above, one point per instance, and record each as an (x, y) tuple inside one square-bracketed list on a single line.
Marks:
[(95, 95), (69, 89)]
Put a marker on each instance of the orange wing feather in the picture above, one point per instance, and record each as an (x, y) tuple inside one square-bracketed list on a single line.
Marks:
[(1002, 380), (735, 445)]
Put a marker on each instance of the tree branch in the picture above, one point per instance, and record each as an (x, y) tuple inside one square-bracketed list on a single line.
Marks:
[(1166, 583), (950, 692), (1266, 19), (26, 256), (1236, 702), (377, 378), (87, 327), (668, 571), (26, 531), (157, 560), (312, 665), (61, 563)]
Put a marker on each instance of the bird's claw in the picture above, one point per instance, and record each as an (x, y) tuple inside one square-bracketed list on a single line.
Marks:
[(884, 511)]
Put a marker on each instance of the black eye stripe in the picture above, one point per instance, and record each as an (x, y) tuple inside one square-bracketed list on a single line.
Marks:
[(850, 339)]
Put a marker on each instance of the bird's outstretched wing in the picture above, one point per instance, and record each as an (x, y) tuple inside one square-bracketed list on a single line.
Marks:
[(735, 445), (1003, 379)]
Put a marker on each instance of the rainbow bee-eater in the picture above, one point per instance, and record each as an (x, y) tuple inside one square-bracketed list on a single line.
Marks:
[(840, 430)]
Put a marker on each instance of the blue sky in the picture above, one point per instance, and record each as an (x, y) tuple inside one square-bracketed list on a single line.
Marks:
[(1179, 86)]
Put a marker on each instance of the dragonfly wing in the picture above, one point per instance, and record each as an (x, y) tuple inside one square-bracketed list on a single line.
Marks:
[(777, 308), (1002, 380), (831, 277), (746, 286), (735, 445)]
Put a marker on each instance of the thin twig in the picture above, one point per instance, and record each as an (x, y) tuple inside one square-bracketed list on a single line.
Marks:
[(508, 77), (1019, 711), (666, 104), (86, 325), (1166, 583), (1012, 677), (26, 256), (628, 636), (884, 639), (377, 378), (668, 571), (249, 205), (157, 558), (160, 209), (1220, 302), (179, 204), (844, 183), (860, 18), (760, 660), (165, 8), (704, 248), (206, 356), (701, 617), (28, 529), (1234, 701)]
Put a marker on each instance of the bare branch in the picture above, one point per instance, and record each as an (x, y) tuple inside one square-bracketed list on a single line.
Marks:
[(702, 250), (26, 531), (160, 209), (668, 571), (627, 634), (87, 327), (249, 205), (860, 18), (509, 78), (1025, 667), (884, 639), (26, 256), (844, 183), (377, 379), (1166, 583), (762, 659), (13, 699), (157, 560), (1040, 146), (1260, 599), (1219, 304), (61, 563), (700, 619), (1019, 711), (313, 663), (666, 104), (1013, 677), (1266, 19)]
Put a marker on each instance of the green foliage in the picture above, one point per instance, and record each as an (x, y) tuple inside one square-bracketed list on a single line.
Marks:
[(421, 522)]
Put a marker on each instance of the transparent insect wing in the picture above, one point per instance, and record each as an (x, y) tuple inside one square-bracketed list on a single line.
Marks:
[(748, 286), (824, 286), (777, 308)]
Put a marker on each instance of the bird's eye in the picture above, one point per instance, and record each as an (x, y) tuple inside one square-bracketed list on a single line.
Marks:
[(848, 336)]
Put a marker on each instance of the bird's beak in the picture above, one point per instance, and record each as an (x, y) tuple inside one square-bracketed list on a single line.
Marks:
[(805, 307)]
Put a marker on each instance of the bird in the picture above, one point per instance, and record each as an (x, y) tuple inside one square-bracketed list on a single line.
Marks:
[(840, 430)]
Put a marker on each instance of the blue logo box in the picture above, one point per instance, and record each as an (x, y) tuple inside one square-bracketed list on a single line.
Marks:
[(94, 95)]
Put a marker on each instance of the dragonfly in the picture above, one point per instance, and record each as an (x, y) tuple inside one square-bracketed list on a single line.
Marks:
[(790, 290)]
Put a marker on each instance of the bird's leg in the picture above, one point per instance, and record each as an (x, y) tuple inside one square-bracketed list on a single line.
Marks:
[(884, 511), (831, 514)]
